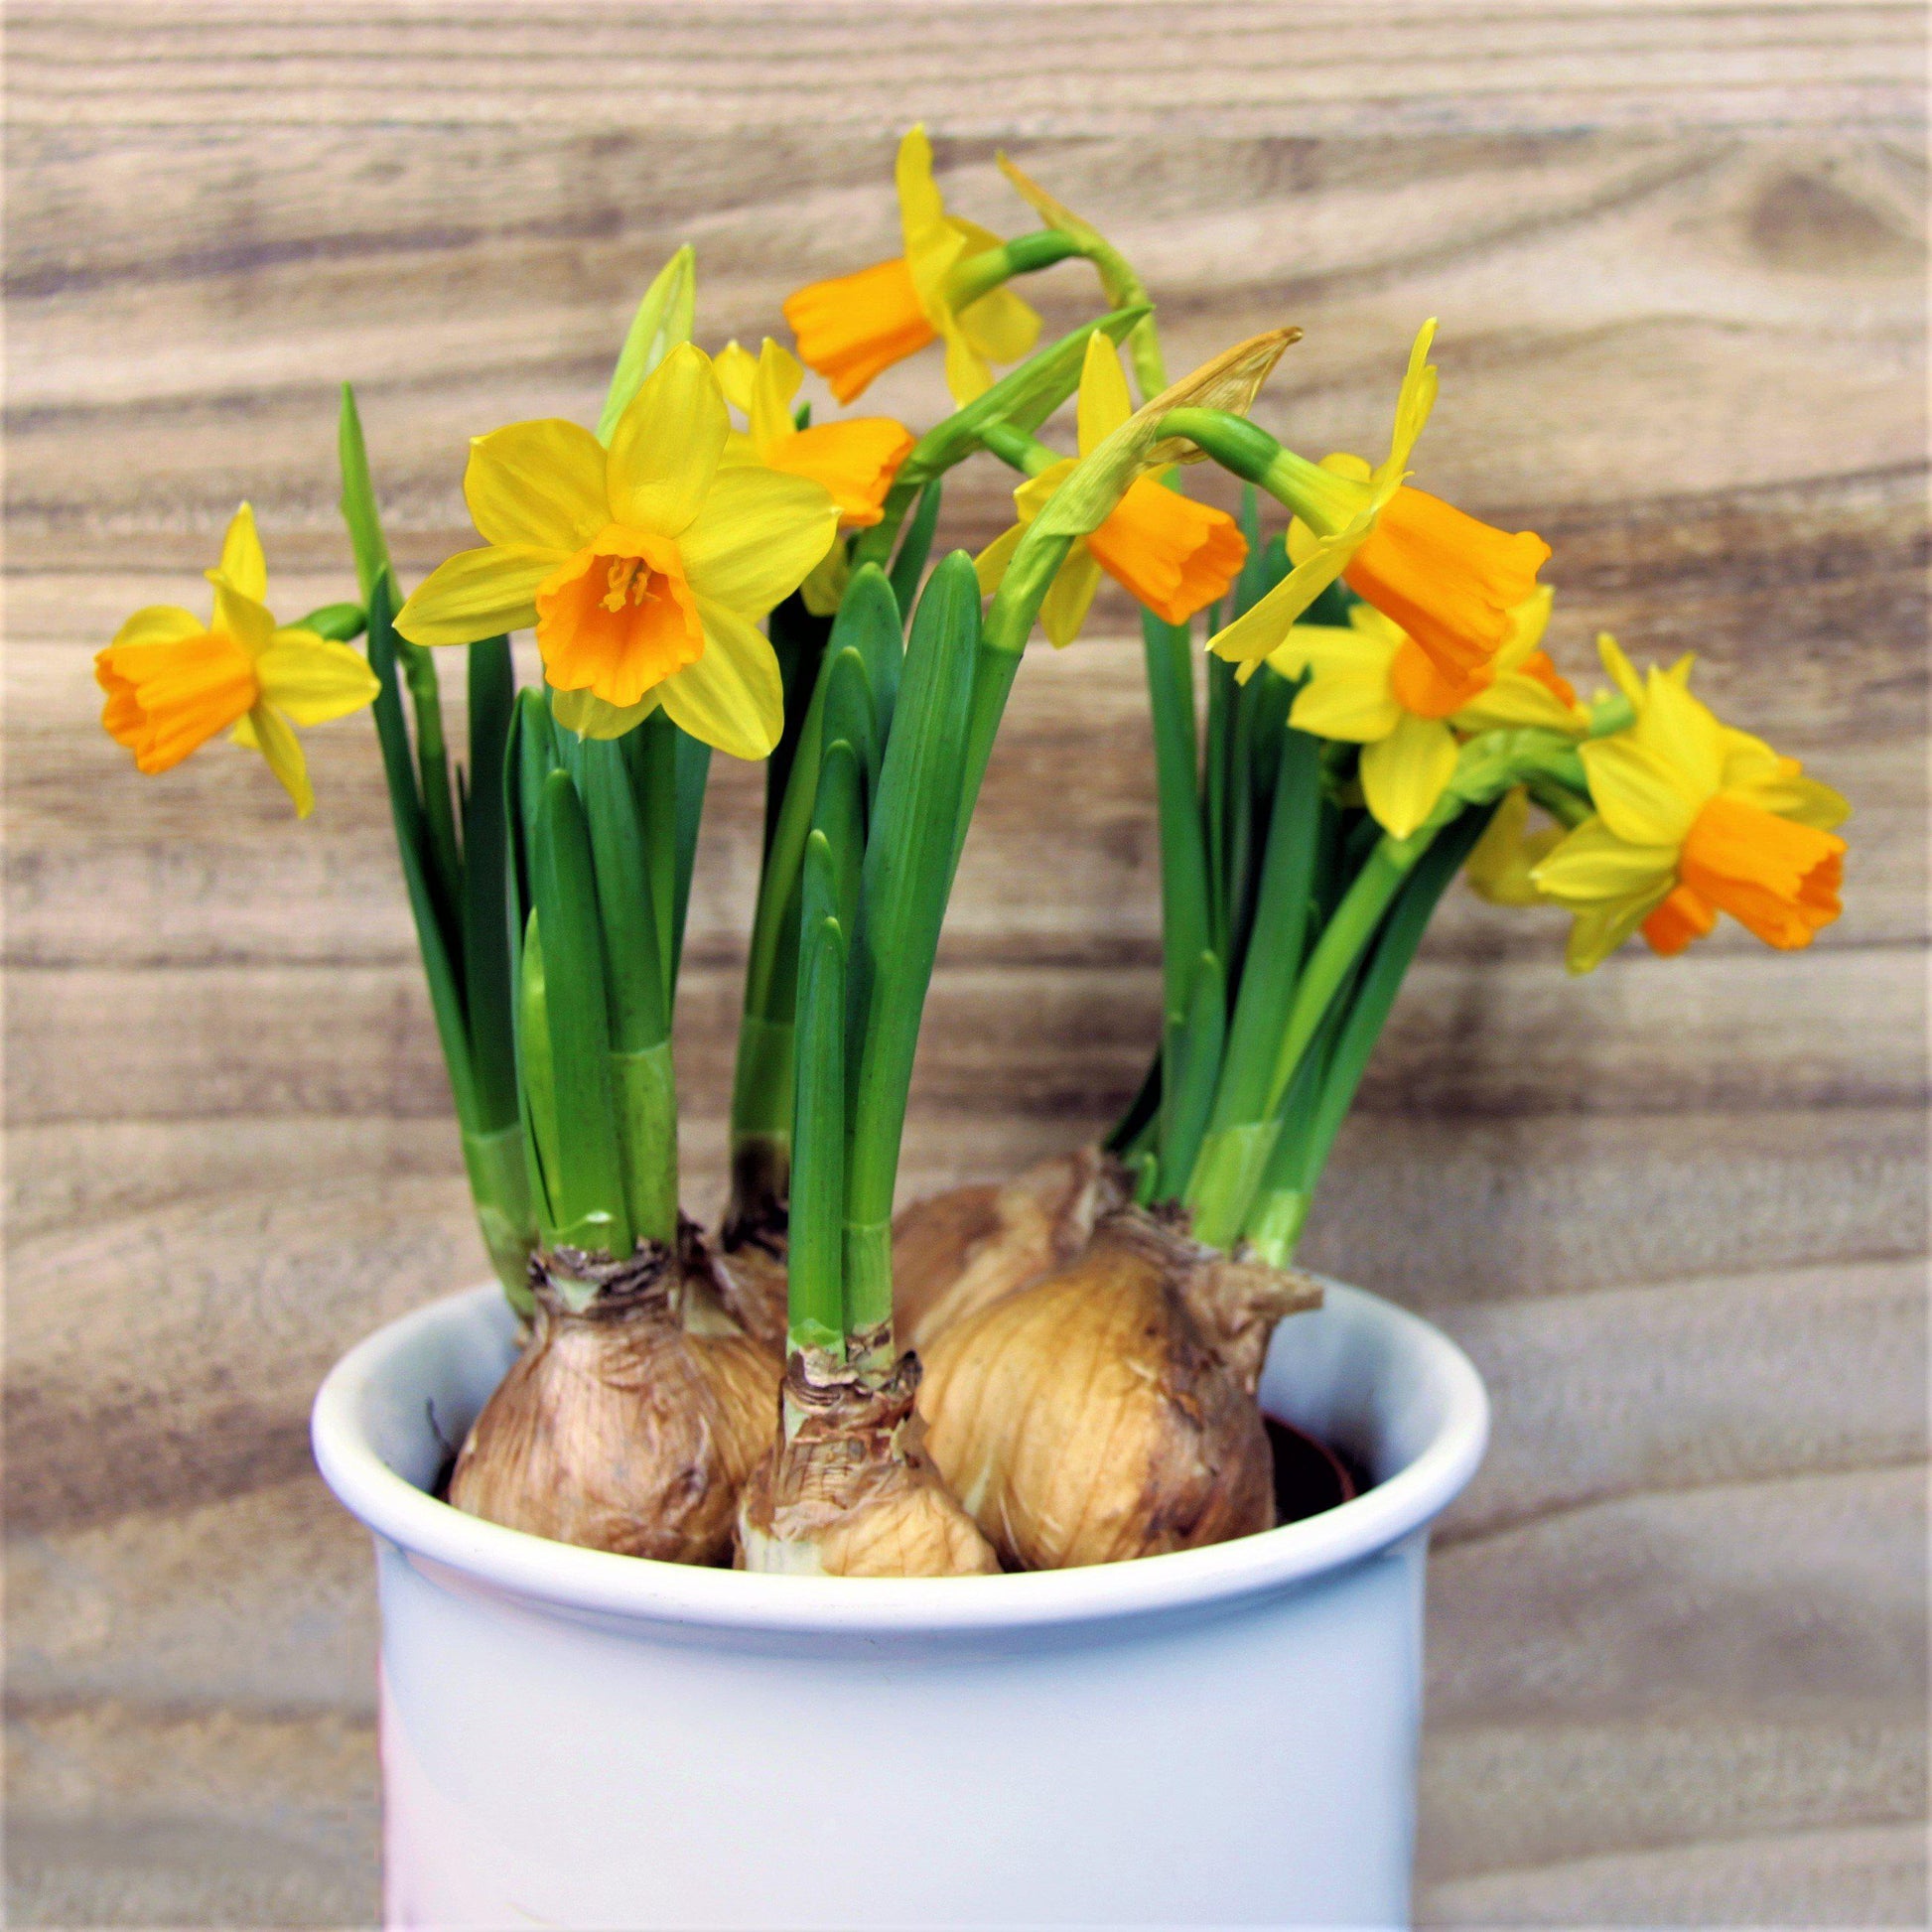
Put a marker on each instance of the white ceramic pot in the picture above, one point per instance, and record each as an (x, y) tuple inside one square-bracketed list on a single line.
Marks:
[(1225, 1737)]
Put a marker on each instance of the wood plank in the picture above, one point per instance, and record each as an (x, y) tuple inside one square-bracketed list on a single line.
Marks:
[(1732, 1379), (1807, 1591), (1510, 1798), (1868, 1876), (1387, 66)]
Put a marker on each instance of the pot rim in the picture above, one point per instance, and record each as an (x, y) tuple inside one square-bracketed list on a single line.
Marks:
[(640, 1589)]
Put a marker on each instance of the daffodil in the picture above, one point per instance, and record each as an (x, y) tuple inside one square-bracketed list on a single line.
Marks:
[(853, 326), (644, 568), (1370, 683), (854, 459), (1500, 864), (1693, 818), (173, 681), (1447, 580), (1175, 555)]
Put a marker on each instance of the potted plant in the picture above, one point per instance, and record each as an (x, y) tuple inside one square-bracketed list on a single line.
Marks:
[(1037, 1603)]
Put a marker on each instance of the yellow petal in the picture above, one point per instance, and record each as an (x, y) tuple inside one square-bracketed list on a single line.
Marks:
[(160, 624), (242, 563), (773, 385), (1404, 774), (758, 534), (478, 594), (1639, 792), (1000, 326), (1412, 406), (733, 697), (241, 616), (737, 369), (1104, 401), (538, 484), (968, 373), (1033, 495), (921, 210), (1499, 865), (990, 566), (1683, 731), (1263, 629), (1063, 609), (1347, 702), (823, 590), (282, 750), (665, 448), (313, 680), (1601, 929), (1513, 701), (1623, 674), (1593, 865), (589, 716)]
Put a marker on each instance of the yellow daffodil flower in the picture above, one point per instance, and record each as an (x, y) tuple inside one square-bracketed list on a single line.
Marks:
[(853, 326), (1693, 818), (173, 682), (854, 459), (644, 568), (1498, 869), (1372, 684), (1175, 555), (1448, 581)]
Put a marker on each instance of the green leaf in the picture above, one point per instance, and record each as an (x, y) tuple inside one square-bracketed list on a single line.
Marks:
[(359, 504), (848, 714), (915, 546), (1194, 1055), (536, 1078), (869, 623), (587, 1187), (639, 1010), (693, 775), (815, 1281), (664, 320), (907, 877), (441, 948), (486, 916)]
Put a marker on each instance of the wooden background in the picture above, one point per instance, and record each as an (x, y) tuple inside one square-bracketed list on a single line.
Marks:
[(1676, 1210)]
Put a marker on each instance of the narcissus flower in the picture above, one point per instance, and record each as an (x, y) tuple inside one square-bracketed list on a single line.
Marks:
[(1693, 818), (1175, 555), (855, 326), (854, 459), (1371, 684), (173, 682), (644, 568), (1448, 581)]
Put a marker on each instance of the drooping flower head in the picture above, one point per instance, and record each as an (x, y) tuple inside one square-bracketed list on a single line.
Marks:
[(1447, 580), (1175, 555), (853, 326), (1693, 818), (644, 568), (1370, 683), (854, 459), (173, 682)]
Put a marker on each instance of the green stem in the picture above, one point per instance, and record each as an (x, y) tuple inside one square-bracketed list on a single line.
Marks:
[(433, 765), (1274, 1221), (499, 1185), (979, 275)]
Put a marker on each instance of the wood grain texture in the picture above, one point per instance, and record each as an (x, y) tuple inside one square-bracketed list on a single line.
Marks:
[(1676, 1211)]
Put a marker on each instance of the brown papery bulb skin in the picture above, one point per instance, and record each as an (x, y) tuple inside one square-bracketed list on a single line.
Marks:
[(848, 1489), (954, 1253), (1108, 1411), (628, 1424)]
